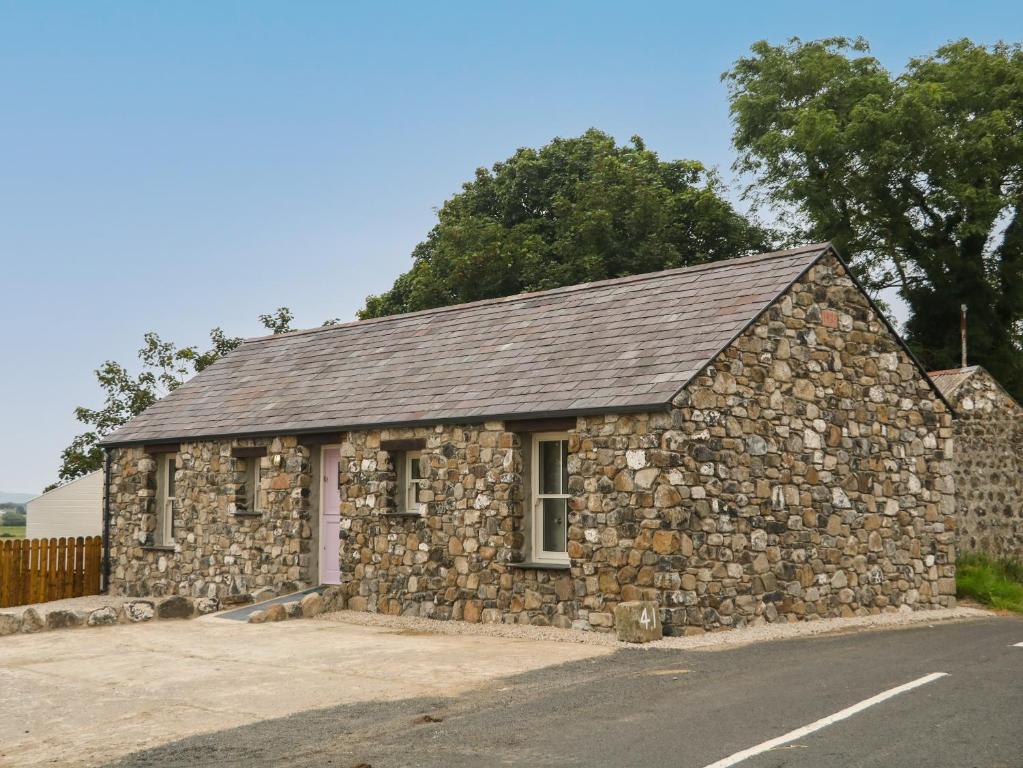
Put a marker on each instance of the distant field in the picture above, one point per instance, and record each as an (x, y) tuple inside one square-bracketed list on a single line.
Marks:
[(12, 532)]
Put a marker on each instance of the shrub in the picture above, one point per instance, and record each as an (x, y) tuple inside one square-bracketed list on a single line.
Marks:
[(997, 583)]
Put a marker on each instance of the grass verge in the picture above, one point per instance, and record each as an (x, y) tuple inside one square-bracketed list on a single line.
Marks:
[(12, 531), (997, 583)]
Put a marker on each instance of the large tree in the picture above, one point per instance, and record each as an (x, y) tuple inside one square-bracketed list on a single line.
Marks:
[(574, 210), (917, 177), (165, 367)]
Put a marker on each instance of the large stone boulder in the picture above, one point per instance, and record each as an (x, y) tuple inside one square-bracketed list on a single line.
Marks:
[(61, 619), (9, 623), (206, 605), (636, 621), (139, 610), (102, 617), (276, 612), (312, 604), (176, 607), (31, 621)]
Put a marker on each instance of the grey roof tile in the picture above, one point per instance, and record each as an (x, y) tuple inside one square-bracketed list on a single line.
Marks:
[(626, 343)]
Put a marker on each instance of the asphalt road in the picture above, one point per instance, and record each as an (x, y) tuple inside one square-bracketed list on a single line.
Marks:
[(682, 709)]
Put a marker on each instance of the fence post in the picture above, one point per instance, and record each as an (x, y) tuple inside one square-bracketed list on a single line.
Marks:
[(6, 554)]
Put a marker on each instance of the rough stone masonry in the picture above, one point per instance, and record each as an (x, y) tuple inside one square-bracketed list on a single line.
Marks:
[(988, 463), (805, 472), (216, 552)]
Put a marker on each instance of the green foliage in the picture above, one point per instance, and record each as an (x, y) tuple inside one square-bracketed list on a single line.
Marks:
[(572, 211), (13, 517), (917, 178), (278, 321), (164, 368), (997, 583)]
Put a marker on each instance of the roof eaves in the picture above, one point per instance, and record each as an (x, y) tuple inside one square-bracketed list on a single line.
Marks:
[(964, 375), (477, 419)]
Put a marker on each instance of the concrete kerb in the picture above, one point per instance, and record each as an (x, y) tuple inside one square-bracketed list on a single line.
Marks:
[(710, 641)]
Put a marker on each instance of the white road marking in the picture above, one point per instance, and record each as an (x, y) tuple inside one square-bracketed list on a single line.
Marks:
[(738, 757), (1018, 645)]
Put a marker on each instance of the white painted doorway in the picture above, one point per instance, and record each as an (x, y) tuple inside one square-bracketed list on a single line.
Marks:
[(330, 517)]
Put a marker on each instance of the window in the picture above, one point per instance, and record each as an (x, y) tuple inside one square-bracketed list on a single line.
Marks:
[(411, 484), (248, 499), (550, 496), (166, 468)]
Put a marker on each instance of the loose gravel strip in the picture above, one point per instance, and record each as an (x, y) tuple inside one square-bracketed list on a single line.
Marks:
[(710, 641)]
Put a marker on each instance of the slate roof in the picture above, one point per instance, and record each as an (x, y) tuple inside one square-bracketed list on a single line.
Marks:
[(630, 343)]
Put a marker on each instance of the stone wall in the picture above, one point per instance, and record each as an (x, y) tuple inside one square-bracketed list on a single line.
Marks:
[(989, 467), (216, 553), (804, 473), (457, 561)]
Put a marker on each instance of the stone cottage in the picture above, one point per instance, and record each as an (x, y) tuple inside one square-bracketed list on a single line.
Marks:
[(741, 441), (988, 461)]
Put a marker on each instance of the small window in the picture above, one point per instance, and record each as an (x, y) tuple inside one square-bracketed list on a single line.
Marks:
[(411, 484), (166, 469), (249, 497), (550, 498)]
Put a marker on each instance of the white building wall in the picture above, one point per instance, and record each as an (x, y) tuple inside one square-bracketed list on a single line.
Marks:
[(75, 509)]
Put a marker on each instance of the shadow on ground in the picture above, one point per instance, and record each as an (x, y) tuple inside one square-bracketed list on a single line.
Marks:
[(642, 707)]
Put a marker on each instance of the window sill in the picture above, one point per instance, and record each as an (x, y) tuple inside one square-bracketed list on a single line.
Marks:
[(541, 566), (403, 514), (246, 514), (158, 548)]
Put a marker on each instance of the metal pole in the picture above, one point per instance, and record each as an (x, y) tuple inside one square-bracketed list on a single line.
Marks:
[(962, 330)]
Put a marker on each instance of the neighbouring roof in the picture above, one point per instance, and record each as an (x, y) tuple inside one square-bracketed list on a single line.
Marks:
[(950, 379), (616, 345)]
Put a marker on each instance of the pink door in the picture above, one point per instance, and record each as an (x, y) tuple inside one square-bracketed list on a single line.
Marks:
[(330, 520)]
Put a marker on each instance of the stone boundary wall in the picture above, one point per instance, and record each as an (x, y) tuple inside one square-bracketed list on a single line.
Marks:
[(216, 553), (989, 468), (29, 620)]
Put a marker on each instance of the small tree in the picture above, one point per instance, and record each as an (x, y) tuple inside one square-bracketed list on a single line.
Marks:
[(165, 367)]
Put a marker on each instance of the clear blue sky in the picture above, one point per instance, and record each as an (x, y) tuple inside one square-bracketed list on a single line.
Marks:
[(177, 166)]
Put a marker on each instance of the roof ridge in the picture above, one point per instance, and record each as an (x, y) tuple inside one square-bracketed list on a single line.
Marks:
[(573, 288)]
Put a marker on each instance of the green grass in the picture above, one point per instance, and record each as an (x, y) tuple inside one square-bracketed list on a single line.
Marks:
[(997, 583), (12, 531)]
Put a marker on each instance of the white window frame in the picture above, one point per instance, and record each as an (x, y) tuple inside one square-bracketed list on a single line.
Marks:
[(539, 554), (406, 504), (166, 467)]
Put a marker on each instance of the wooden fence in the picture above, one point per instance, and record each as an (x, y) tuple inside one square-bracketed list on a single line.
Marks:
[(40, 570)]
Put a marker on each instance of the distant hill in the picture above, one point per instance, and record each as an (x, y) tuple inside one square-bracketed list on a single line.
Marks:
[(16, 498)]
